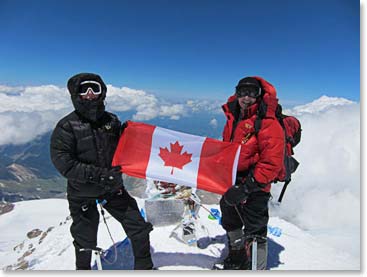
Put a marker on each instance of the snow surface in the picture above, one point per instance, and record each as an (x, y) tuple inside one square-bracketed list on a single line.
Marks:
[(294, 249)]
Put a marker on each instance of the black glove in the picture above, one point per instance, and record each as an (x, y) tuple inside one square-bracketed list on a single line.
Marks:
[(241, 191), (112, 179)]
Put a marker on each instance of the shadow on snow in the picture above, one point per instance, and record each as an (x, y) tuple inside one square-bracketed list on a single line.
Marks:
[(125, 258)]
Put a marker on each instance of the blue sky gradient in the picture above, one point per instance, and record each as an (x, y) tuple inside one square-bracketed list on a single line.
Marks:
[(179, 49)]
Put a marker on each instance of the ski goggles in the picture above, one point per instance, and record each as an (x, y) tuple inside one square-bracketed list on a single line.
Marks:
[(90, 86), (249, 90)]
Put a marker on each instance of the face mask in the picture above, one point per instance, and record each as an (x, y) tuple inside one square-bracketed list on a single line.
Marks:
[(91, 110)]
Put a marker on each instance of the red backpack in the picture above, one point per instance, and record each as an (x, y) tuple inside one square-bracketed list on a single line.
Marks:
[(292, 130)]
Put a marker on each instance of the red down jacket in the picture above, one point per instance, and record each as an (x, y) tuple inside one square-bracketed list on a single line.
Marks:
[(264, 151)]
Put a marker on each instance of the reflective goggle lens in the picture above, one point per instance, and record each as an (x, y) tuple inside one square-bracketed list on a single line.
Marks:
[(250, 91), (90, 86)]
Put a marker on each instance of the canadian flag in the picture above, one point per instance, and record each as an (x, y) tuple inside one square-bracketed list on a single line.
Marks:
[(148, 151)]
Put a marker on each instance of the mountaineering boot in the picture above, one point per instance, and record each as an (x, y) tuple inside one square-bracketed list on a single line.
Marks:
[(82, 258), (236, 260)]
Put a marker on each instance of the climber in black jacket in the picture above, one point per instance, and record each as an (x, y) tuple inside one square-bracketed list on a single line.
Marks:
[(82, 148)]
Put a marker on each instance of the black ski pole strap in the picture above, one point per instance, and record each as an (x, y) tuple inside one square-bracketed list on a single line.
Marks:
[(283, 190)]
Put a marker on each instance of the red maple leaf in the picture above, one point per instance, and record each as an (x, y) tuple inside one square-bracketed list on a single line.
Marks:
[(174, 157)]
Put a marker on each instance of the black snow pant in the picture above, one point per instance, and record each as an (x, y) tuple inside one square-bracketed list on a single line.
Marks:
[(124, 209), (255, 215)]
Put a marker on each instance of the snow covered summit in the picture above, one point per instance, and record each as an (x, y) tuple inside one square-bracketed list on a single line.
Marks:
[(50, 248), (319, 105)]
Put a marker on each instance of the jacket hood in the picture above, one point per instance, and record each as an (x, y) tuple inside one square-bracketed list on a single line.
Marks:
[(91, 110), (267, 89), (268, 95), (74, 83)]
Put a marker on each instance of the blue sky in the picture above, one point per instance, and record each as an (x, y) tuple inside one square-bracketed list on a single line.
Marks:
[(176, 49)]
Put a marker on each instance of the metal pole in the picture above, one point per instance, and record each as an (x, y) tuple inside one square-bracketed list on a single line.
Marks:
[(254, 254), (98, 259)]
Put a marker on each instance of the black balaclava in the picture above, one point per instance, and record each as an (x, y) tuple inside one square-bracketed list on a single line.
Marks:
[(91, 110)]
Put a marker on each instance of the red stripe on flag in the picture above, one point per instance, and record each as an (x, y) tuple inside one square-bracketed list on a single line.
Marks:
[(215, 168), (133, 150)]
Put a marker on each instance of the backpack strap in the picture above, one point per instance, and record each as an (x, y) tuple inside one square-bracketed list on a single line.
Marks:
[(283, 190), (280, 116), (234, 109), (260, 114)]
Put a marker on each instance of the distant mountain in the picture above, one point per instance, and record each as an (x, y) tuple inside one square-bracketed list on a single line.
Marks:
[(27, 161), (320, 105), (26, 172)]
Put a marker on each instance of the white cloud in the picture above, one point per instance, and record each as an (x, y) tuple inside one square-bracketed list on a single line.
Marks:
[(147, 106), (213, 123), (125, 99), (213, 106), (174, 112), (325, 191), (30, 99), (26, 112), (22, 127)]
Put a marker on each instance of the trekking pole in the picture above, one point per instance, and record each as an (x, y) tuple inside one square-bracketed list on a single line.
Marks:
[(254, 254), (98, 260), (101, 204)]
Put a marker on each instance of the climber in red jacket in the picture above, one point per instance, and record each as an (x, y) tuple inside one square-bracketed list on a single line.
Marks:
[(245, 205)]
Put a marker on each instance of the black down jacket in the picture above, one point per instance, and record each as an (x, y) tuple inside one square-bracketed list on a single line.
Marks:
[(82, 151)]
